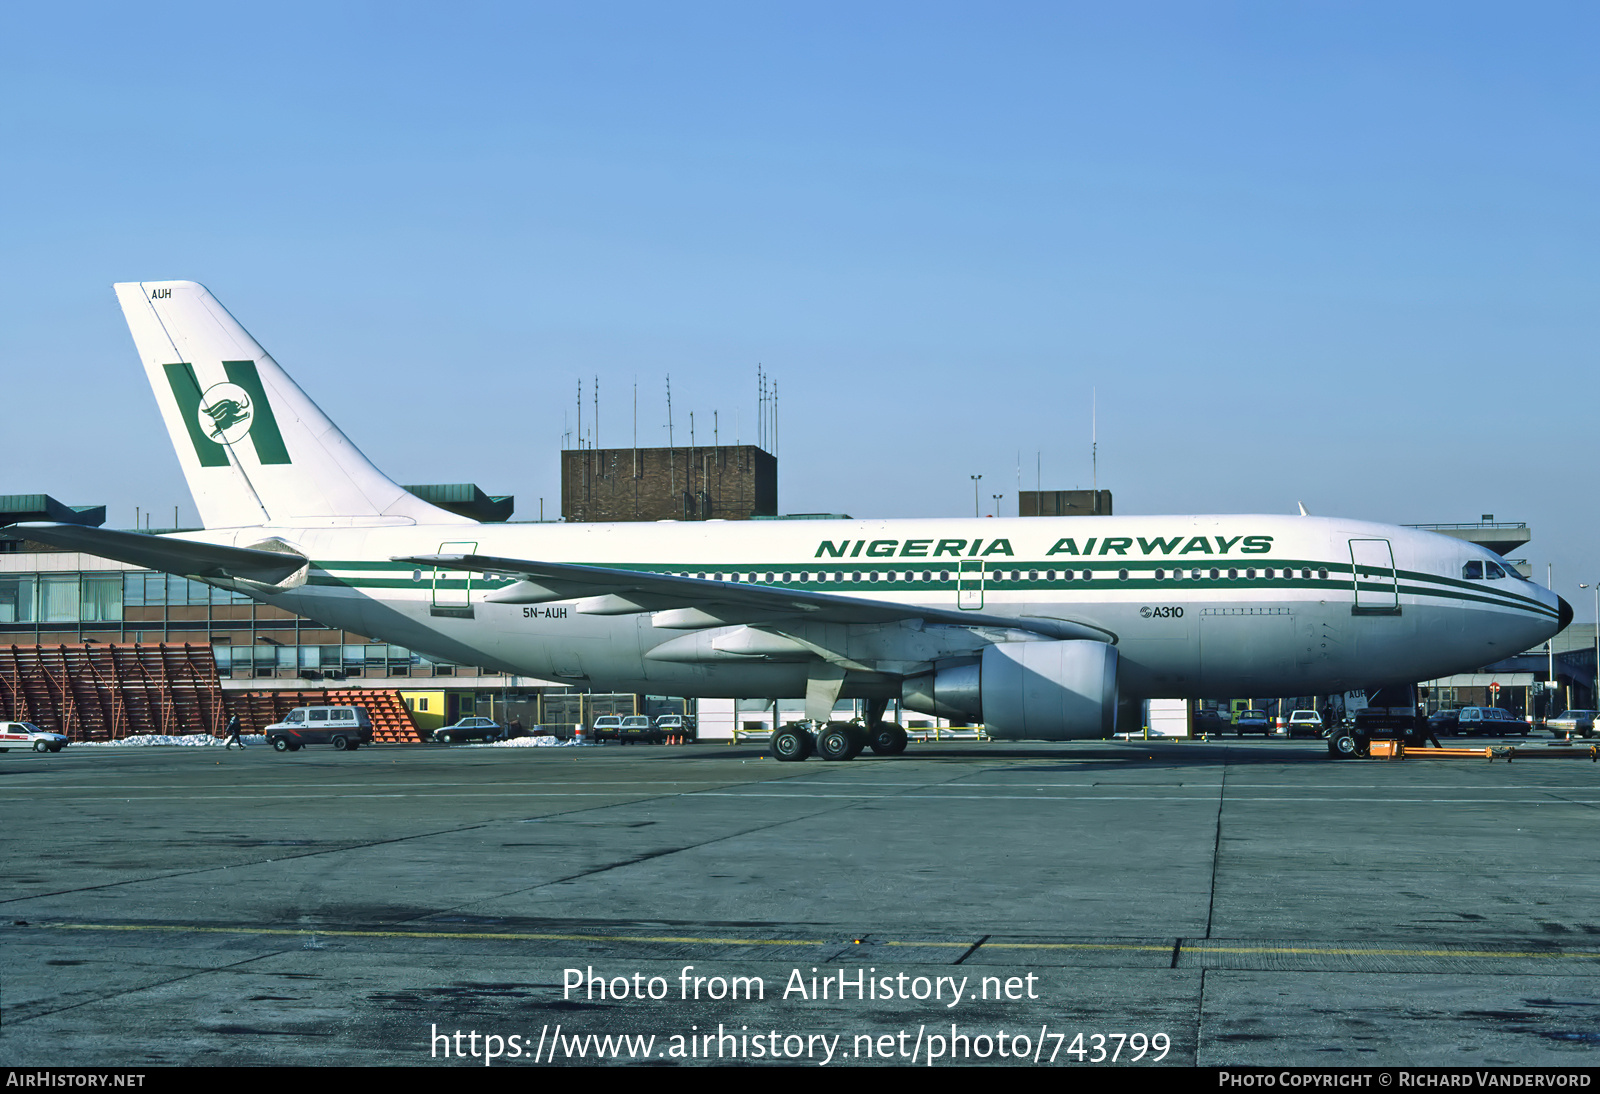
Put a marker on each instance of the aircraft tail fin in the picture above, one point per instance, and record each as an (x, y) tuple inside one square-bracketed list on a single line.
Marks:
[(254, 448)]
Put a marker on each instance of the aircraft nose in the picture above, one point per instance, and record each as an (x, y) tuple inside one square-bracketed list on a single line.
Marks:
[(1566, 612)]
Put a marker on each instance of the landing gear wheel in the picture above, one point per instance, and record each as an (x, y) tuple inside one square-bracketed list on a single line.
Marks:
[(838, 742), (1342, 746), (791, 745), (888, 739), (281, 745)]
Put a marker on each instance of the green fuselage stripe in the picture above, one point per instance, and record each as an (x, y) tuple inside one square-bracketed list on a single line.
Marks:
[(856, 578)]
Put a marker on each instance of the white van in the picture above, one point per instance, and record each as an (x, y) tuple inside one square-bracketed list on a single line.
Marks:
[(345, 728)]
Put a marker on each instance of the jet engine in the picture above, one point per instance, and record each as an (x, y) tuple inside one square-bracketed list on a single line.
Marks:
[(1044, 691)]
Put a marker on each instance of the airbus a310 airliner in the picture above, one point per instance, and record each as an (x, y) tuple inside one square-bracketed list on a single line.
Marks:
[(1038, 627)]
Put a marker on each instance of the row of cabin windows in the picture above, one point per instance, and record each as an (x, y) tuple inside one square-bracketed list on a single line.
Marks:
[(787, 576)]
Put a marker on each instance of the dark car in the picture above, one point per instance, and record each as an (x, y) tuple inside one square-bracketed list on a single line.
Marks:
[(636, 729), (1489, 722), (469, 729), (1442, 723), (1252, 721), (1208, 721)]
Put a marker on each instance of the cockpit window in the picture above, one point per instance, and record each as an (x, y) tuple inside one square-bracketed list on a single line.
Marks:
[(1473, 570), (1491, 571)]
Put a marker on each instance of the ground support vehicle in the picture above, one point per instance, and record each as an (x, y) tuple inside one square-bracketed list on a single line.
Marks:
[(345, 728), (1391, 714), (28, 735), (470, 729)]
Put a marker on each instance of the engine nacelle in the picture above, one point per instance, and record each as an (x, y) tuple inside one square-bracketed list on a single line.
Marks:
[(1043, 691)]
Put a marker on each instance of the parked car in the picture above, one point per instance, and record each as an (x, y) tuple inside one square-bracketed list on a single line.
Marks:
[(469, 729), (1442, 723), (1207, 720), (607, 727), (28, 735), (345, 728), (636, 729), (678, 725), (1252, 721), (1574, 723), (1305, 723), (1489, 722)]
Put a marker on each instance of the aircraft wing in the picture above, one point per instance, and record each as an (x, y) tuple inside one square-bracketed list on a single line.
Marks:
[(174, 556), (696, 602)]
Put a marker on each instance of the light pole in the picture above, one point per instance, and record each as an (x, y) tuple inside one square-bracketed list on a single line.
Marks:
[(1594, 700), (975, 503), (997, 498)]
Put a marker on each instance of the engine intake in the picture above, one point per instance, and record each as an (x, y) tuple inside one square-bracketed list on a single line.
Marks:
[(1046, 691)]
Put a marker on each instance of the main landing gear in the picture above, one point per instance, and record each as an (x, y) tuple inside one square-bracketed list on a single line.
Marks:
[(840, 740)]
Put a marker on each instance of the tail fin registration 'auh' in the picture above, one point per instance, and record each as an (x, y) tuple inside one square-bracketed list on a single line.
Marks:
[(254, 448)]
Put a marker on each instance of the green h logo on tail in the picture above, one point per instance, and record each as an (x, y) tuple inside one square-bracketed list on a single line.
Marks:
[(225, 414)]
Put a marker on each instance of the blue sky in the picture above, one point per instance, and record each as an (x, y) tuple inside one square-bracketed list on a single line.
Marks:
[(1341, 253)]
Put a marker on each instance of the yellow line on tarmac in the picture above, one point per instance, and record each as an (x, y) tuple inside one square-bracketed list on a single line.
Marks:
[(468, 935)]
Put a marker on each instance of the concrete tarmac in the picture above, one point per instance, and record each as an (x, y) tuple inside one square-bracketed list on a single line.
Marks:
[(1144, 904)]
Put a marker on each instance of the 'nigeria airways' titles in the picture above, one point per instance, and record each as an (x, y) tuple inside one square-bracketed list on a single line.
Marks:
[(1040, 627)]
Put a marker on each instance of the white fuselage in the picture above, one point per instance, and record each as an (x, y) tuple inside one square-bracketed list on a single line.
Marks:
[(1199, 606)]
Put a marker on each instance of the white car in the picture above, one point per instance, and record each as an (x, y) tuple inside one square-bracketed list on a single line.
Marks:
[(28, 735), (1305, 723)]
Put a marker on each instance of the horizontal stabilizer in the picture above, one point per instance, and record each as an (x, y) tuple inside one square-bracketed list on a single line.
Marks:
[(173, 556)]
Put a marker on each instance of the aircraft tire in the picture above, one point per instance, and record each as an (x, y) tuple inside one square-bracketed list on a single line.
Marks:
[(790, 745), (1342, 746), (888, 739), (836, 742)]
